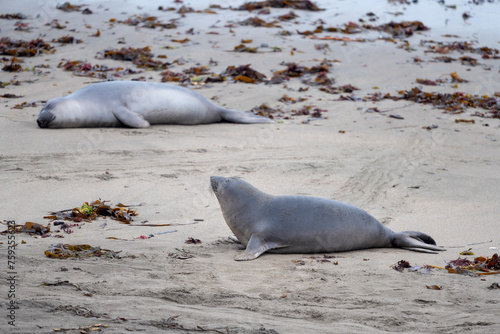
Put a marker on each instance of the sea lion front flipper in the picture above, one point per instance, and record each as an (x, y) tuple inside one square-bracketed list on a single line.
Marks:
[(130, 119), (256, 246)]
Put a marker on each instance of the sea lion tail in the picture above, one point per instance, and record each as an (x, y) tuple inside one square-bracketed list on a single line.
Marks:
[(237, 116), (415, 241)]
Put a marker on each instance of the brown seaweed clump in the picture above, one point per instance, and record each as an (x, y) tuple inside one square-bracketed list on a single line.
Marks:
[(244, 73), (21, 48), (293, 4), (65, 251), (141, 57)]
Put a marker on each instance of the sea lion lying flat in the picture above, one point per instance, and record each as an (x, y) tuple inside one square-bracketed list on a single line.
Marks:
[(304, 224), (136, 104)]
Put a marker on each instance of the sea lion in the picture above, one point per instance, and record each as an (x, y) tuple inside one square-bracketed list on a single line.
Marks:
[(136, 104), (304, 224)]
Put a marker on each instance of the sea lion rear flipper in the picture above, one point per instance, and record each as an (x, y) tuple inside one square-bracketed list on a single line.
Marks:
[(415, 241), (237, 116), (256, 246), (130, 119)]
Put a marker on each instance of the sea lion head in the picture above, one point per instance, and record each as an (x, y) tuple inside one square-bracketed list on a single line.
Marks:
[(58, 113), (46, 115), (233, 193)]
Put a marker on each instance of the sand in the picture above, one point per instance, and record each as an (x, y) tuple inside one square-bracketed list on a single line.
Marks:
[(443, 181)]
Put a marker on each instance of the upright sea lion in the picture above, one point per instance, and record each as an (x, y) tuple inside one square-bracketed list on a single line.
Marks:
[(136, 104), (304, 224)]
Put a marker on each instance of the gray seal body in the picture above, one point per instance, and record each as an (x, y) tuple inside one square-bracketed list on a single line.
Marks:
[(304, 224), (136, 104)]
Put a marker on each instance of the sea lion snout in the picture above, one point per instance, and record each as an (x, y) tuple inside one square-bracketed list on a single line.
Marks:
[(45, 118), (214, 181), (43, 123)]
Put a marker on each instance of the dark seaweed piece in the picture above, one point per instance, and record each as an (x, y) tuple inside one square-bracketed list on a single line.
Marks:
[(30, 228), (149, 22), (444, 48), (309, 111), (287, 17), (11, 96), (88, 212), (21, 48), (244, 48), (257, 22), (455, 102), (67, 39), (294, 4), (399, 29), (290, 100), (339, 89), (67, 7), (244, 73), (65, 251), (193, 241), (15, 16), (468, 61), (85, 69), (426, 82), (141, 57), (454, 79), (321, 79), (349, 28), (266, 111), (444, 59), (13, 66), (403, 264)]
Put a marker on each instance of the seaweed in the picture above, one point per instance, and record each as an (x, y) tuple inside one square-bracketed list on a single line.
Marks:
[(454, 103), (67, 39), (11, 96), (339, 89), (257, 22), (141, 57), (294, 70), (88, 212), (13, 66), (290, 100), (399, 29), (65, 251), (454, 78), (22, 26), (30, 228), (294, 4), (244, 48), (27, 105), (55, 24), (86, 69), (22, 48), (193, 241), (244, 73), (480, 266), (184, 10), (14, 16), (309, 111), (151, 22), (287, 17), (457, 46), (321, 79), (426, 82), (67, 7), (266, 111)]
